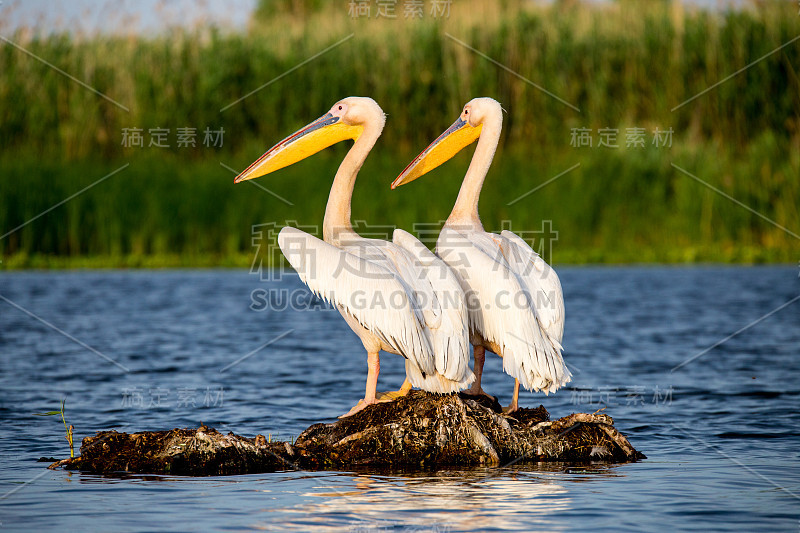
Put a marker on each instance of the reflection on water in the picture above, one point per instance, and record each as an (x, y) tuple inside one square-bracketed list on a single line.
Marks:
[(484, 499), (626, 329)]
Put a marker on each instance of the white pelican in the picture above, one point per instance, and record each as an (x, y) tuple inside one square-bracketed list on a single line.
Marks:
[(396, 296), (516, 308)]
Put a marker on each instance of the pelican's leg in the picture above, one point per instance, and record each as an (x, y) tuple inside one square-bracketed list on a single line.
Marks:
[(405, 388), (374, 368), (479, 353), (514, 405)]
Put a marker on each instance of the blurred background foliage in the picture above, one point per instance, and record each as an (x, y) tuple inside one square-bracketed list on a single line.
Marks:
[(624, 64)]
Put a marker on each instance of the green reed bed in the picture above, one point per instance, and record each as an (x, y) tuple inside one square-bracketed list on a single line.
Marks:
[(624, 65)]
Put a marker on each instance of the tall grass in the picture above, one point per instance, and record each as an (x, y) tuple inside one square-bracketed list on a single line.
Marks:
[(626, 64)]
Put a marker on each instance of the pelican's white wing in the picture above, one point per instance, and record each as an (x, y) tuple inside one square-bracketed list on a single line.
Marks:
[(500, 309), (543, 284), (438, 284), (355, 284)]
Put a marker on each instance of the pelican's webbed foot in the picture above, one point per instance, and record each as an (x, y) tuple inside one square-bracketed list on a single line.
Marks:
[(483, 398), (362, 404), (356, 408), (511, 408), (395, 394)]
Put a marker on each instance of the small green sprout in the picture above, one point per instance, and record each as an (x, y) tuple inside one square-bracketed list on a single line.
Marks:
[(67, 428)]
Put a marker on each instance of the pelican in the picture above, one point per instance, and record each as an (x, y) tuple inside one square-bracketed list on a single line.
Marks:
[(397, 296), (516, 308)]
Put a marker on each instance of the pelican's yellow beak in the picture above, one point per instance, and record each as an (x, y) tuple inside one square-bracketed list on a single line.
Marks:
[(320, 134), (448, 144)]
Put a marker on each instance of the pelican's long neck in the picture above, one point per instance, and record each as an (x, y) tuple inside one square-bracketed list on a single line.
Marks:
[(465, 210), (337, 212)]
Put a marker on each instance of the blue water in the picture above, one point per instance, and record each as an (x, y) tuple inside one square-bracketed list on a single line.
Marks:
[(722, 433)]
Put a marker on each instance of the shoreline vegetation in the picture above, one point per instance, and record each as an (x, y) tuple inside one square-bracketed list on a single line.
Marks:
[(746, 256), (632, 69)]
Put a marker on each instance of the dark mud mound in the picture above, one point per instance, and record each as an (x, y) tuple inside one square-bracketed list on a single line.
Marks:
[(420, 431), (192, 452)]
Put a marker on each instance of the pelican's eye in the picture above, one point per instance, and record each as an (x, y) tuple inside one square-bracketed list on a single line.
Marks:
[(340, 108)]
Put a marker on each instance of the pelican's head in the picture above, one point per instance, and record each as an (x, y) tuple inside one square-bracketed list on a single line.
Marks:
[(345, 120), (462, 133)]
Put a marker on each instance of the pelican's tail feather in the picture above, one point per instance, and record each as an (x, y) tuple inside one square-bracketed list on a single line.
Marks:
[(436, 382)]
